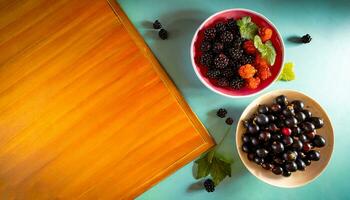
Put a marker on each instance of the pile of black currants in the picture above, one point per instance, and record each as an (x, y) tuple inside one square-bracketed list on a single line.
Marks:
[(282, 137)]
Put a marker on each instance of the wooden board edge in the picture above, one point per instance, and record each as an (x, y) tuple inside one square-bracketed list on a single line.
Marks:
[(160, 71), (208, 141)]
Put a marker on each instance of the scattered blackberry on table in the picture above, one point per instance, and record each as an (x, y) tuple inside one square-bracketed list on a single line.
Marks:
[(220, 27), (206, 59), (209, 185), (163, 34), (229, 121), (306, 38), (226, 36), (218, 47), (205, 46), (223, 82), (210, 34), (157, 25), (237, 83), (221, 112), (285, 149), (221, 61), (213, 73)]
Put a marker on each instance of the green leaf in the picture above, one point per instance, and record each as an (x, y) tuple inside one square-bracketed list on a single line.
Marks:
[(224, 150), (247, 28), (267, 50), (203, 167), (219, 170), (287, 72)]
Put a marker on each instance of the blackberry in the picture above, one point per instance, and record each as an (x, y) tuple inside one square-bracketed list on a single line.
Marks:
[(227, 72), (157, 25), (223, 82), (213, 73), (209, 185), (221, 112), (163, 34), (206, 59), (237, 83), (220, 27), (232, 25), (218, 47), (210, 34), (306, 38), (205, 46), (248, 59), (229, 121), (235, 64), (226, 37), (221, 61), (235, 53)]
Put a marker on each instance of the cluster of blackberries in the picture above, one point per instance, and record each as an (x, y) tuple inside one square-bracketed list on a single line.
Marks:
[(163, 34), (222, 53)]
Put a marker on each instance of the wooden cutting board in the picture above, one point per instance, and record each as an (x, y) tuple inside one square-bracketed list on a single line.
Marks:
[(86, 111)]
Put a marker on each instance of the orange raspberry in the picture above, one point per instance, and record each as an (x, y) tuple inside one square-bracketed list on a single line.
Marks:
[(249, 47), (247, 71), (265, 34), (259, 61), (253, 83), (263, 72)]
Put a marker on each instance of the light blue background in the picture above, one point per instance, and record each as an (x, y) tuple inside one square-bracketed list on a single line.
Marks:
[(322, 70)]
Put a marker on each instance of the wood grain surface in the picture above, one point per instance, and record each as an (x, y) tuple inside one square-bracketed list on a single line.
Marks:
[(86, 111)]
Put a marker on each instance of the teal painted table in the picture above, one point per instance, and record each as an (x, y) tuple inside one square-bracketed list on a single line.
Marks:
[(322, 69)]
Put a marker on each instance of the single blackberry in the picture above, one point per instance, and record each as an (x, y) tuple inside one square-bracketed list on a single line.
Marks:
[(306, 38), (220, 27), (235, 64), (226, 36), (221, 61), (163, 34), (232, 25), (221, 112), (235, 53), (247, 59), (206, 59), (157, 25), (213, 73), (209, 185), (229, 121), (237, 83), (210, 34), (223, 82), (218, 47), (205, 46), (227, 72)]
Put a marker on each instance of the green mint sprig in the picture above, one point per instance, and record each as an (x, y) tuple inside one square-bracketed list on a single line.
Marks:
[(267, 50), (247, 28)]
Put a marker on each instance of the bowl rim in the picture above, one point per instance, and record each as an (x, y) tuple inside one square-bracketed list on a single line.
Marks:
[(330, 125), (199, 75)]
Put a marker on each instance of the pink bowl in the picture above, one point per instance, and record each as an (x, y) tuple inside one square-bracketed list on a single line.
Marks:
[(258, 19)]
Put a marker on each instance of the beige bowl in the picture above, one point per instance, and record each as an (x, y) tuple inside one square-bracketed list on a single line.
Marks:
[(298, 178)]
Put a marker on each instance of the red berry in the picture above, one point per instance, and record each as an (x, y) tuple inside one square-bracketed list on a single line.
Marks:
[(286, 131), (307, 147)]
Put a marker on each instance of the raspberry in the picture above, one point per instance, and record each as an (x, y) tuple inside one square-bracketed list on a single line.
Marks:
[(249, 47), (265, 34), (263, 72), (253, 83), (247, 71), (259, 61)]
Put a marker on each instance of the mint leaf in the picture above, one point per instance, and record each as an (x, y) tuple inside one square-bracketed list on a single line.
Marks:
[(203, 167), (219, 170), (267, 50), (287, 72), (247, 28)]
